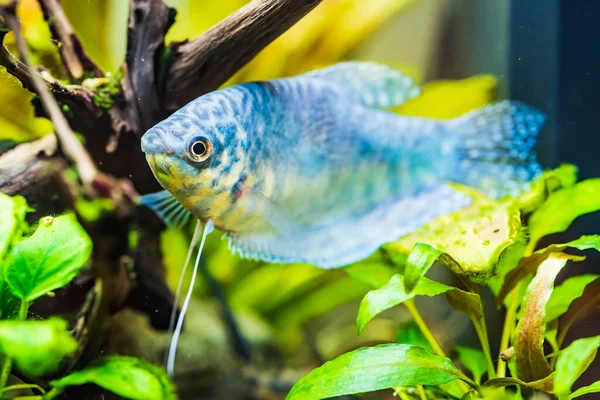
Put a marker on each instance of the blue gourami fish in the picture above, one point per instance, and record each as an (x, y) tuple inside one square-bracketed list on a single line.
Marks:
[(313, 169)]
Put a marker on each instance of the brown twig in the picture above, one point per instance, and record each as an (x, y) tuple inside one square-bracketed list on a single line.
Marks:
[(207, 62), (72, 147), (74, 58)]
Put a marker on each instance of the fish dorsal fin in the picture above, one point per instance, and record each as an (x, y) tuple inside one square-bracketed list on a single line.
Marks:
[(375, 85), (166, 206), (354, 238)]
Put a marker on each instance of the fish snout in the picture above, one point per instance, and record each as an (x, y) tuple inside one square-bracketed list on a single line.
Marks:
[(153, 143)]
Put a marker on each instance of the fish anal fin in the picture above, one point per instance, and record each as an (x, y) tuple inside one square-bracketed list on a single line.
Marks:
[(353, 238)]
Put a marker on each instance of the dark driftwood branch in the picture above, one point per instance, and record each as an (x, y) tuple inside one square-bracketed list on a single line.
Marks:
[(149, 21), (74, 58), (207, 62)]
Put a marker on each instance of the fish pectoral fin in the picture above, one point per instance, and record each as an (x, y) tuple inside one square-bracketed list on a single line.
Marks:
[(373, 84), (166, 206), (255, 202), (352, 238)]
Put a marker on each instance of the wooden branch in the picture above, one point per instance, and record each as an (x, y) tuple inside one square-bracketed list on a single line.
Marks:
[(149, 21), (73, 56), (207, 62)]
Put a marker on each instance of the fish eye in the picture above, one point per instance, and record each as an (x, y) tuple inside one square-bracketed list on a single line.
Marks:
[(199, 149)]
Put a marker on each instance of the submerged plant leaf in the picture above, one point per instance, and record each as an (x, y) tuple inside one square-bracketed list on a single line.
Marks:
[(528, 339), (564, 294), (49, 258), (393, 294), (375, 368), (419, 261), (562, 177), (373, 273), (572, 362), (37, 347), (473, 360), (528, 265), (563, 207), (128, 377), (474, 237), (581, 308), (545, 385), (410, 333), (12, 220), (593, 388)]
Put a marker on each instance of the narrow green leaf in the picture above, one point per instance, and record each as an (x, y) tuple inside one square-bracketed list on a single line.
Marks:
[(49, 258), (419, 261), (466, 302), (564, 294), (128, 377), (12, 218), (409, 333), (473, 360), (527, 267), (581, 307), (373, 273), (593, 388), (375, 368), (393, 294), (528, 339), (572, 362), (585, 242), (563, 207), (545, 385), (321, 301), (37, 347)]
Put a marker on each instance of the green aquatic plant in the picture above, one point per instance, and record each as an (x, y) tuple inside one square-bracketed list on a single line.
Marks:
[(489, 244), (33, 266)]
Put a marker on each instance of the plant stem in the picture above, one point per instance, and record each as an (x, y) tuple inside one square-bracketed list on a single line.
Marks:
[(481, 329), (422, 392), (7, 365), (435, 345), (52, 393)]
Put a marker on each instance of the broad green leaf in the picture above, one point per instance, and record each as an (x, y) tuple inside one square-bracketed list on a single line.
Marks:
[(393, 294), (564, 294), (528, 339), (473, 360), (572, 362), (37, 347), (563, 207), (419, 261), (585, 242), (593, 388), (49, 258), (128, 377), (410, 333), (375, 368), (474, 237), (545, 385)]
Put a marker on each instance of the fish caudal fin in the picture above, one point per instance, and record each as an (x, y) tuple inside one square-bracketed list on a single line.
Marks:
[(495, 148)]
